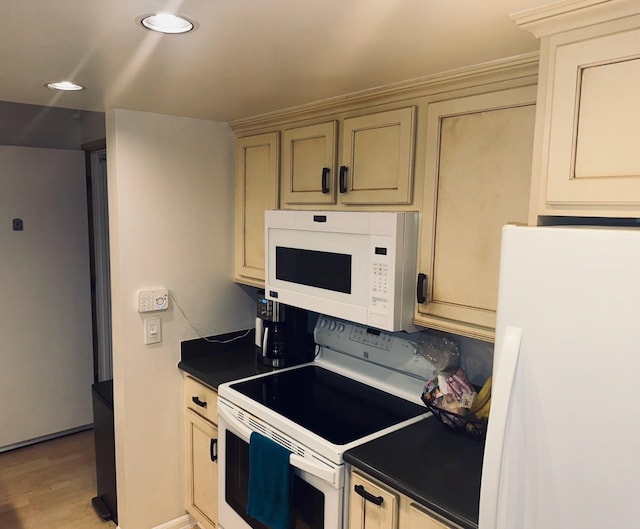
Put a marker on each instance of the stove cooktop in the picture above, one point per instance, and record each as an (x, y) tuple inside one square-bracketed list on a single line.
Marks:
[(332, 406)]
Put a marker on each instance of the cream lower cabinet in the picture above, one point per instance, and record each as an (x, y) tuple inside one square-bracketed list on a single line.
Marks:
[(373, 505), (417, 518), (587, 161), (201, 453), (477, 179), (376, 161), (257, 165)]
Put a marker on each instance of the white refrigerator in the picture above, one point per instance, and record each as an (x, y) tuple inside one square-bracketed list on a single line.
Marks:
[(563, 442)]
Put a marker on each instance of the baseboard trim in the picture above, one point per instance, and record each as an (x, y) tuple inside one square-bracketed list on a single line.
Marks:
[(44, 438), (184, 522)]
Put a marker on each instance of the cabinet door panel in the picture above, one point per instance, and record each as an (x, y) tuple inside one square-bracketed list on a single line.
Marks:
[(478, 179), (418, 519), (306, 152), (593, 159), (378, 151), (368, 515), (202, 472), (256, 191)]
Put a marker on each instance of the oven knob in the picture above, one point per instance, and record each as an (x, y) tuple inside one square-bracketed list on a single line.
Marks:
[(332, 325), (341, 327), (323, 322)]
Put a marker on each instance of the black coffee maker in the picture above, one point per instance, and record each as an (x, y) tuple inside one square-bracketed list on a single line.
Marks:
[(282, 334), (270, 332)]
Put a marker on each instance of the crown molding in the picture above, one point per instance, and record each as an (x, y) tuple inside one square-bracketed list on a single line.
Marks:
[(523, 66), (573, 14)]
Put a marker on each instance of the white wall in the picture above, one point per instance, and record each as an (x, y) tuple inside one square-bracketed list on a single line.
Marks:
[(171, 224), (45, 303)]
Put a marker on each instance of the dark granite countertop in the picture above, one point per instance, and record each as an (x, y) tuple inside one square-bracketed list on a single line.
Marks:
[(434, 466), (215, 362), (431, 464)]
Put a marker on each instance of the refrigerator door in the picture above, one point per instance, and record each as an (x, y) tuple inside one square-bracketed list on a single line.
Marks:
[(562, 442)]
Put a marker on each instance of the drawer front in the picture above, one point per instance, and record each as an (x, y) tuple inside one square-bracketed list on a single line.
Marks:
[(201, 399)]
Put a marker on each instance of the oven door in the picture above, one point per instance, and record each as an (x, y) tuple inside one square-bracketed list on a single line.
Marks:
[(316, 493)]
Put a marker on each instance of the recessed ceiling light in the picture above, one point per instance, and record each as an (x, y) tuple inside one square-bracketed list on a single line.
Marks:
[(65, 85), (167, 23)]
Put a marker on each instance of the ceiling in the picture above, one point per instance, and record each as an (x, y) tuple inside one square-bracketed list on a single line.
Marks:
[(246, 57)]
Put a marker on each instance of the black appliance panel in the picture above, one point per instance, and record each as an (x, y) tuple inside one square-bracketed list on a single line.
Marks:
[(326, 270), (307, 502), (335, 407)]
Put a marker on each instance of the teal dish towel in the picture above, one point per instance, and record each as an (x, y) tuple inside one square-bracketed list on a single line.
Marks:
[(269, 482)]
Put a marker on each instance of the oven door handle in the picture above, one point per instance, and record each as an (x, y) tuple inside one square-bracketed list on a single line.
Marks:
[(318, 470), (323, 472)]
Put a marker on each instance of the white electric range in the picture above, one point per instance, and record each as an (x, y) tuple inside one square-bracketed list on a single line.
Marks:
[(363, 383)]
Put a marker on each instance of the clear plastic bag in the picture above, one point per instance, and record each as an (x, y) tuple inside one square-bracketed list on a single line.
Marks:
[(439, 349)]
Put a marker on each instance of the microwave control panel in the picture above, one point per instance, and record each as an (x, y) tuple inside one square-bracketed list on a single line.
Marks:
[(381, 279)]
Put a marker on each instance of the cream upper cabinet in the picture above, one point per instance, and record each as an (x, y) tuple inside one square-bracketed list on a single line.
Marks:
[(309, 164), (376, 165), (257, 167), (477, 179), (376, 161), (587, 161)]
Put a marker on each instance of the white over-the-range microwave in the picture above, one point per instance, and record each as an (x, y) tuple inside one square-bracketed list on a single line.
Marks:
[(359, 266)]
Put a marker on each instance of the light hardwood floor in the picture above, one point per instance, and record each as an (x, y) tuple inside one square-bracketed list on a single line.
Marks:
[(50, 485)]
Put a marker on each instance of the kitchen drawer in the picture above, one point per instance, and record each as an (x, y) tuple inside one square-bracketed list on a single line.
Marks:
[(201, 399)]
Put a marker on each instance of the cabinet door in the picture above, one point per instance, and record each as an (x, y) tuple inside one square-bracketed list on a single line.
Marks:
[(256, 191), (202, 470), (477, 179), (592, 122), (418, 519), (377, 158), (381, 513), (309, 164)]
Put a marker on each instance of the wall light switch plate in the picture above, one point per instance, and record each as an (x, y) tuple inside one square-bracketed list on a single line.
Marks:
[(152, 330)]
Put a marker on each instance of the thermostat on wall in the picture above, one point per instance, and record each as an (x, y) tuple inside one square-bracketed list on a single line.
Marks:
[(153, 300)]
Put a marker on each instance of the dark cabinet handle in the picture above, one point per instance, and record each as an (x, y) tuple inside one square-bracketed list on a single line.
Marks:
[(325, 179), (343, 178), (213, 450), (360, 490), (198, 402), (421, 288)]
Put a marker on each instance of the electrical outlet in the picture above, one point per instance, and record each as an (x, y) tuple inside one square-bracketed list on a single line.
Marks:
[(153, 300), (18, 225)]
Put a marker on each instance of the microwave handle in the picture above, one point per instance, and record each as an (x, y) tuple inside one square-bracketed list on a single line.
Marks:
[(325, 473), (421, 288)]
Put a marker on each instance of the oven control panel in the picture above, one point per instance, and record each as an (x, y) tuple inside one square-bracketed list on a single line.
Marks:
[(358, 347), (345, 335)]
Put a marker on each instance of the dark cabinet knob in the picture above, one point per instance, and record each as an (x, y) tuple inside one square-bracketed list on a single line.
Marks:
[(421, 288), (198, 402), (361, 491), (326, 172), (343, 178)]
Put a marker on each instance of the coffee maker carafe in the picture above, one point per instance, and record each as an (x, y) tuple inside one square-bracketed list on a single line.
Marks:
[(271, 339)]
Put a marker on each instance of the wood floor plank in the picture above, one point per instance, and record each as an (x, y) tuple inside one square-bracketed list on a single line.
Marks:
[(50, 485)]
